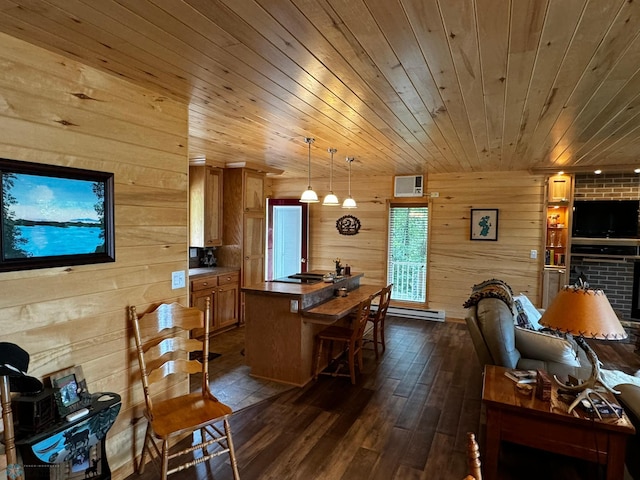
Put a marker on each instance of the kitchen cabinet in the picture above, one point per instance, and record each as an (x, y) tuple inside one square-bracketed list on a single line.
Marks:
[(244, 224), (205, 206), (553, 281), (559, 188), (223, 291)]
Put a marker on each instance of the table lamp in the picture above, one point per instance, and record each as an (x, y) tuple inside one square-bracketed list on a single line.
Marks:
[(584, 313)]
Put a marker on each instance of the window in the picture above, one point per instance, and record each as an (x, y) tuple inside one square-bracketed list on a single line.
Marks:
[(407, 252)]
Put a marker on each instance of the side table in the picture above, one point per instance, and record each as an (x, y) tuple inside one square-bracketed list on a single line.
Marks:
[(72, 450), (523, 419)]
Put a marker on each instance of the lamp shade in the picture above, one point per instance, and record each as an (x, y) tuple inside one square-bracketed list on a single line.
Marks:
[(583, 312), (349, 203), (309, 196), (330, 199)]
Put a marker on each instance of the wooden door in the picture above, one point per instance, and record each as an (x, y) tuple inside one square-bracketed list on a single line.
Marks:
[(226, 311)]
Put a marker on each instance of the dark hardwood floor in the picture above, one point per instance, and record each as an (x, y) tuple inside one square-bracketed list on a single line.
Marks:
[(406, 419)]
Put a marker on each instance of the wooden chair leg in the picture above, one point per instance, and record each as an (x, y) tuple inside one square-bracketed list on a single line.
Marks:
[(145, 448), (375, 338), (165, 459), (352, 363), (316, 370), (381, 333), (232, 452), (203, 433)]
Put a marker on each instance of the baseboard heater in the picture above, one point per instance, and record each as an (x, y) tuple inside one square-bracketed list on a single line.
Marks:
[(433, 315)]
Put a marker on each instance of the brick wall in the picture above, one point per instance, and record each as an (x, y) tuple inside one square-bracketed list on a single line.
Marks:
[(612, 276), (620, 186)]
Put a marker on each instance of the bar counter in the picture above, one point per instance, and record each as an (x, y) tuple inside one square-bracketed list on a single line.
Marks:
[(282, 319)]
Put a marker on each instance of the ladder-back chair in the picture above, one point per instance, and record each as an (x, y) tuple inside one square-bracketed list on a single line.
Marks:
[(349, 336), (473, 458), (164, 348), (378, 317)]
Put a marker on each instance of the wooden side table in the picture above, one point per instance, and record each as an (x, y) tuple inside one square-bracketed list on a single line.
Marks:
[(72, 450), (523, 419)]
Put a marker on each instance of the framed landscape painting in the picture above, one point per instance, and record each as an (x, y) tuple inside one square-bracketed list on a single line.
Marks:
[(54, 216), (484, 224)]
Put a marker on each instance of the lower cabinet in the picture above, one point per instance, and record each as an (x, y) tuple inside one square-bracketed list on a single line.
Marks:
[(553, 280), (223, 290)]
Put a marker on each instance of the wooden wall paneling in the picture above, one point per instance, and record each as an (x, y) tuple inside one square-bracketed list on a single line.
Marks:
[(77, 315), (455, 263)]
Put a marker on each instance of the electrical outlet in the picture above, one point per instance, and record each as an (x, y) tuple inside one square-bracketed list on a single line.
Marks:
[(533, 254), (178, 279), (434, 194)]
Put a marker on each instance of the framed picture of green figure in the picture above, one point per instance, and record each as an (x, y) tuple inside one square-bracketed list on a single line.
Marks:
[(484, 224)]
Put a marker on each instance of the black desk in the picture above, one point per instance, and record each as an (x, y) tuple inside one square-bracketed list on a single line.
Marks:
[(72, 450)]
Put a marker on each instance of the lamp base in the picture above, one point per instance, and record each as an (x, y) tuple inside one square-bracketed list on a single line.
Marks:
[(586, 395), (595, 377)]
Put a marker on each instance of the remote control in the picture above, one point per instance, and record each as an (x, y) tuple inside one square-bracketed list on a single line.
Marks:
[(77, 414)]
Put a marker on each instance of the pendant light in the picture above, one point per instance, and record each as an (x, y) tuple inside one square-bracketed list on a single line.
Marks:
[(331, 199), (309, 196), (349, 202)]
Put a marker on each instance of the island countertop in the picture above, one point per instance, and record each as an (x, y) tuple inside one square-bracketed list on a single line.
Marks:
[(270, 287)]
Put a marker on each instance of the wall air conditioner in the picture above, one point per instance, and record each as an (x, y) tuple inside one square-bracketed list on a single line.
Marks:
[(408, 186)]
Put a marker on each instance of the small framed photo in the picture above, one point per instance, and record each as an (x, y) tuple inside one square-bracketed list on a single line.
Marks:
[(70, 390), (484, 224)]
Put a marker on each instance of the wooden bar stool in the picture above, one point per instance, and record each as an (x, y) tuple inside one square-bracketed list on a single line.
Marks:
[(350, 336), (378, 317)]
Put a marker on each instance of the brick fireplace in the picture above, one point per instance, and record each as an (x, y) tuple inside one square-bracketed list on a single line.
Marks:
[(613, 275)]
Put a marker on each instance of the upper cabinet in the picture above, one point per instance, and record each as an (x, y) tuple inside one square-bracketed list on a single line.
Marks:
[(205, 206), (254, 192), (559, 189)]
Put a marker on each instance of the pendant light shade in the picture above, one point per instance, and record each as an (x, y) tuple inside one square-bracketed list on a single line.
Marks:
[(331, 199), (309, 196), (349, 202)]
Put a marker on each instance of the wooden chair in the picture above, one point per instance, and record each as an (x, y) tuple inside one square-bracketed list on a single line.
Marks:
[(473, 458), (350, 336), (164, 348), (378, 317)]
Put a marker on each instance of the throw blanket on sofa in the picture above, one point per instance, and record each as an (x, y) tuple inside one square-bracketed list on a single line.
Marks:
[(493, 288)]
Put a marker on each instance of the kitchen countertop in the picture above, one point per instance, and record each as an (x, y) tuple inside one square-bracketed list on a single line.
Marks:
[(201, 271)]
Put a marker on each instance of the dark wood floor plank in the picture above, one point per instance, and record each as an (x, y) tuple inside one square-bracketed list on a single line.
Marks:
[(388, 464)]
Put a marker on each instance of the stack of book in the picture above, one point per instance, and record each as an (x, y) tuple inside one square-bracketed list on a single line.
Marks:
[(522, 376)]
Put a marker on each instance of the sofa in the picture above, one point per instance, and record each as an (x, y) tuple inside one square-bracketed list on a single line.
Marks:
[(493, 331), (505, 331)]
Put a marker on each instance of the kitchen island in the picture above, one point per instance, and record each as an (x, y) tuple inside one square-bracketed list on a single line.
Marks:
[(282, 319)]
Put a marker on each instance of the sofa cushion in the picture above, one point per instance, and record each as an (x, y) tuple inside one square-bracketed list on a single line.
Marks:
[(525, 313), (546, 347), (495, 321)]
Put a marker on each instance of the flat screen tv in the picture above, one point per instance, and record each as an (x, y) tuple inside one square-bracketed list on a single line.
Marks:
[(605, 218)]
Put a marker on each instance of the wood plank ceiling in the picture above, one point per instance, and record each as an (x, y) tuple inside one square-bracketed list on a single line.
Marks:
[(405, 86)]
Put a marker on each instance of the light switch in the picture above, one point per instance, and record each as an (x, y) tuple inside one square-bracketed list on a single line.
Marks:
[(533, 254), (178, 279)]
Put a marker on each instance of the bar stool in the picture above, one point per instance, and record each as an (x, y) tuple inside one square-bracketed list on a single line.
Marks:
[(378, 317), (350, 336)]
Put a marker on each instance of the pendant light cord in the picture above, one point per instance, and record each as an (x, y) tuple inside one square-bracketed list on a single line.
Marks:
[(309, 142)]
